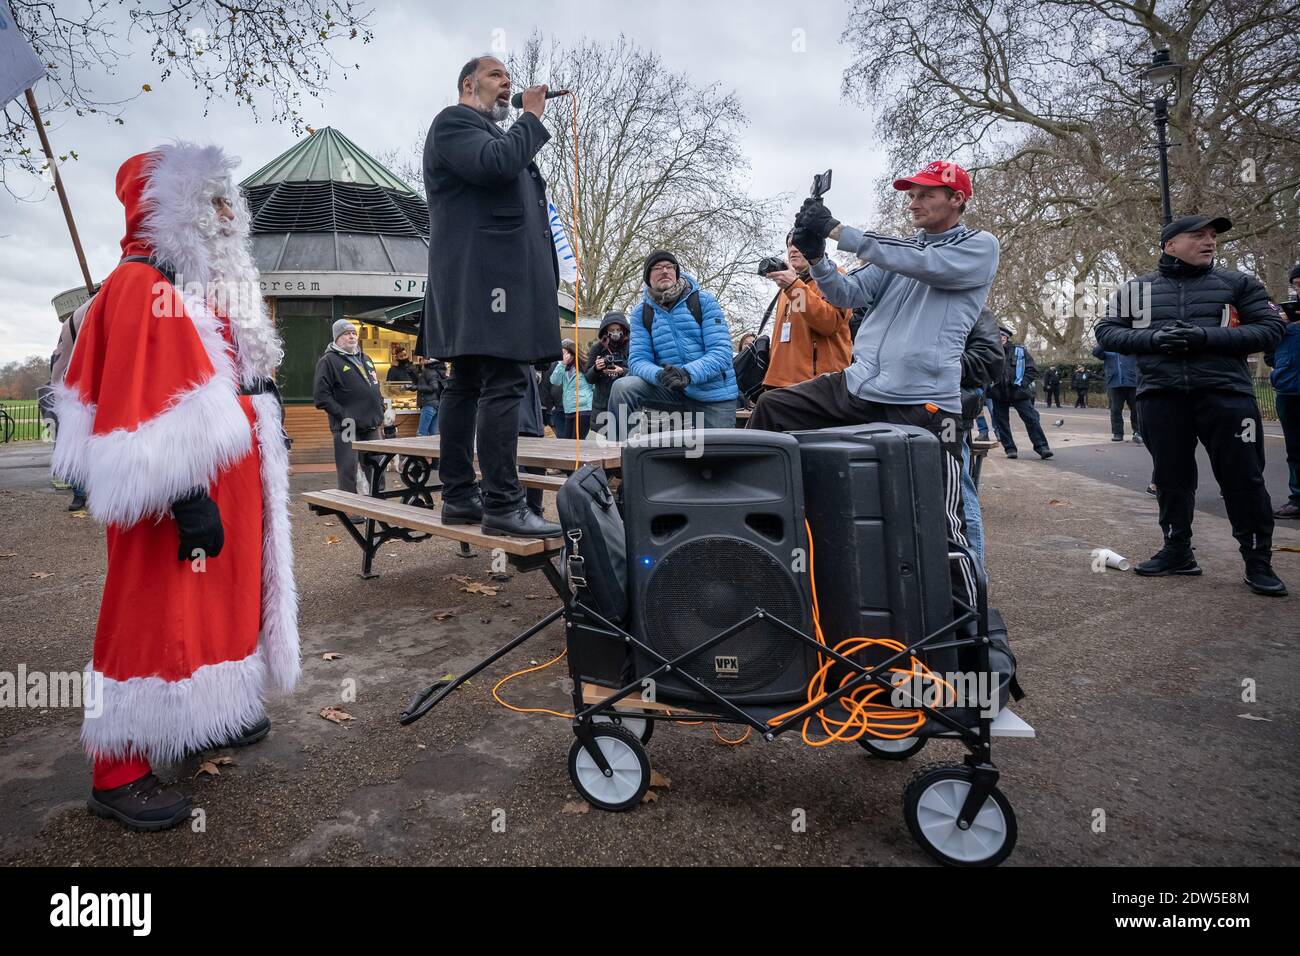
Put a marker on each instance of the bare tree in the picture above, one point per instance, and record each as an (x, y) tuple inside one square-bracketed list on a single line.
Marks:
[(659, 165), (1042, 100), (281, 48)]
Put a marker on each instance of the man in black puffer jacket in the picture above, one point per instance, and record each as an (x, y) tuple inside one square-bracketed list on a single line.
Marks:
[(981, 362), (1191, 327)]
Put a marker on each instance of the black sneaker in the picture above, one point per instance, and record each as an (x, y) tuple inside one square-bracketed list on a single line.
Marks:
[(142, 805), (1012, 454), (1152, 490), (1169, 560), (78, 503), (1116, 437), (469, 511), (1044, 453), (1137, 439), (1262, 580)]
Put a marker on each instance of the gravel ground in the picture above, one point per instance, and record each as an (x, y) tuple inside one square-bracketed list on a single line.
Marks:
[(1135, 689)]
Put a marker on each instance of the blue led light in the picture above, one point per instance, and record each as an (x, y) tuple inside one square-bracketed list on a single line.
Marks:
[(647, 561)]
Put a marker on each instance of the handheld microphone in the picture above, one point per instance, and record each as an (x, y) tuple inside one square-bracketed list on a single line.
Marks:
[(517, 101)]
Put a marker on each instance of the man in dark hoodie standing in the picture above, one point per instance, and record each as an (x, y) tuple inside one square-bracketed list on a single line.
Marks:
[(1191, 325), (347, 388), (606, 363), (1011, 389)]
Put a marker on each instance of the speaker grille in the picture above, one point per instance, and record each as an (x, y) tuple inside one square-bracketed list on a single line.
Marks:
[(705, 586)]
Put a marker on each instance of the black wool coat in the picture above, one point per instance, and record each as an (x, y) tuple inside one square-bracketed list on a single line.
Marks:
[(492, 266)]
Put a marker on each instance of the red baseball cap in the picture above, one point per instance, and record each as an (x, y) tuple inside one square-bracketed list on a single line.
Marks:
[(938, 174)]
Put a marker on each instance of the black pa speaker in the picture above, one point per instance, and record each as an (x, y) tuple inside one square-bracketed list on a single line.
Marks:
[(715, 530), (875, 502)]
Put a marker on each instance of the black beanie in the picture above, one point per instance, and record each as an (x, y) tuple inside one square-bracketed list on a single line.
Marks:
[(659, 255)]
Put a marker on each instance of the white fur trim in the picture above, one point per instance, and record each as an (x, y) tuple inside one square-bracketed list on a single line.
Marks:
[(164, 720), (279, 638), (132, 475)]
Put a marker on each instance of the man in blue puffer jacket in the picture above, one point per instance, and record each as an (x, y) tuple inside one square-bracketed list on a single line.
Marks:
[(1285, 361), (680, 357)]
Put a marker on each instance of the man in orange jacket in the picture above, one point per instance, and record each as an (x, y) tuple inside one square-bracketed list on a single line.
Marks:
[(811, 336)]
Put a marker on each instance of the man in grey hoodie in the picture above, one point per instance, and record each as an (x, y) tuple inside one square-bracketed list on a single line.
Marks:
[(924, 295)]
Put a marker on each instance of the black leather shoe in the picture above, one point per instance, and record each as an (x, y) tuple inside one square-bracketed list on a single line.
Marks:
[(142, 805), (249, 735), (520, 524), (1288, 510), (1262, 580), (1169, 560), (469, 511), (1012, 454)]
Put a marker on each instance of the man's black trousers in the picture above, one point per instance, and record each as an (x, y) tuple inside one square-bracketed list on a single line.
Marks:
[(1119, 397), (825, 402), (1080, 398), (1052, 393), (1028, 414), (1228, 425), (481, 401)]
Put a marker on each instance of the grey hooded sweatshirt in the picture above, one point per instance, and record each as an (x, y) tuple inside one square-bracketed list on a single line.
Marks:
[(925, 294)]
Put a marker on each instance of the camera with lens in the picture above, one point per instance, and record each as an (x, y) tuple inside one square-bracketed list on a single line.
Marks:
[(771, 264)]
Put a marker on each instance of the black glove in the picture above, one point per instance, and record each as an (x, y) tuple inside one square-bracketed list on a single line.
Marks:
[(199, 523), (671, 377), (1171, 339), (809, 243), (816, 218), (1190, 336)]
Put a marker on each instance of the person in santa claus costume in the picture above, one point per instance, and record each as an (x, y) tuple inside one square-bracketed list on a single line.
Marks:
[(170, 421)]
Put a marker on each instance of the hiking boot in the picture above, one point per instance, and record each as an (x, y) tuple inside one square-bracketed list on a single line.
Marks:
[(1171, 559), (1262, 580), (142, 805), (521, 523), (469, 511), (78, 503), (1288, 510)]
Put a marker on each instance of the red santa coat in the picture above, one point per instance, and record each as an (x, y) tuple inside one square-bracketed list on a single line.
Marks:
[(149, 410)]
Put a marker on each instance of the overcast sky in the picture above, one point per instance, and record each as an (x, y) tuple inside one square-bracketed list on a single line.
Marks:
[(797, 122)]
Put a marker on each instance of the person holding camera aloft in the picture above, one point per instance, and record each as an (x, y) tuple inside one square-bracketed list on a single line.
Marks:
[(1191, 325), (924, 294)]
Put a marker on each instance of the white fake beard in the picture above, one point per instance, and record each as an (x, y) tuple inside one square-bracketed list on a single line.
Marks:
[(234, 290)]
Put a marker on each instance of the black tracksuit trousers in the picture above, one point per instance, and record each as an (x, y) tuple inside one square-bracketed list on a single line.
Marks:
[(1228, 425)]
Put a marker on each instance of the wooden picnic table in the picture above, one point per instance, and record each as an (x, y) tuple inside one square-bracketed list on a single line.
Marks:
[(555, 453)]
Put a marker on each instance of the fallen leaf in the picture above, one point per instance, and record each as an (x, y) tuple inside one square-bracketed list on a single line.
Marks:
[(1286, 548), (1253, 717), (659, 780), (1056, 501), (330, 524), (332, 539), (8, 554), (330, 656), (576, 806), (223, 761), (80, 514), (476, 587), (336, 714), (42, 574), (443, 615), (650, 797), (210, 768)]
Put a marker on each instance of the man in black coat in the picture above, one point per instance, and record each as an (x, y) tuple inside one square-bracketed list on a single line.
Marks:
[(347, 389), (1052, 386), (1191, 326), (1011, 389), (489, 305)]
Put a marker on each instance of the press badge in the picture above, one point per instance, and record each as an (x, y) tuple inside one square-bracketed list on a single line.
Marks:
[(785, 331)]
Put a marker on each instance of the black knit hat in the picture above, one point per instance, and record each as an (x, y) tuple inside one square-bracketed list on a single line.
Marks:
[(659, 255)]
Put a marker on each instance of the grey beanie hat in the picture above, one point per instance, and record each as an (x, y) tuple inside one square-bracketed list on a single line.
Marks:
[(343, 325)]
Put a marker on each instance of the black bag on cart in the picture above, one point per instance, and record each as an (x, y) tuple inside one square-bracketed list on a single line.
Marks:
[(595, 568)]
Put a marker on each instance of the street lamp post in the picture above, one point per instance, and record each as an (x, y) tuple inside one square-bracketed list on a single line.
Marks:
[(1162, 70)]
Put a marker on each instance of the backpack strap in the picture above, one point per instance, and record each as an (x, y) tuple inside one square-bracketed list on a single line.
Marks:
[(692, 305), (647, 315), (162, 270)]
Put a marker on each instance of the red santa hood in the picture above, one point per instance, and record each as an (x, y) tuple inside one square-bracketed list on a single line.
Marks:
[(131, 181)]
